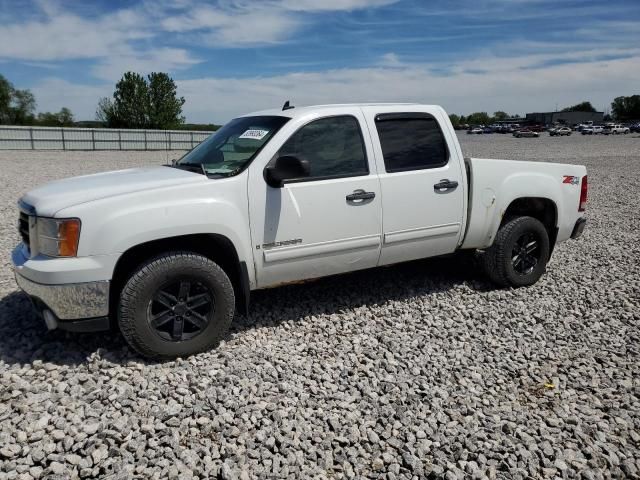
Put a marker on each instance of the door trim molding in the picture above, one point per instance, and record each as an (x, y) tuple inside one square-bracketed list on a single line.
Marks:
[(422, 233), (279, 254)]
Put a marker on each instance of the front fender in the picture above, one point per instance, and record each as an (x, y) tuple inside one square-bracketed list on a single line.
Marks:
[(116, 224)]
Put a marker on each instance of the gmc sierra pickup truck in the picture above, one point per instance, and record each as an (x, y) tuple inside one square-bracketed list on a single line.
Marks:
[(169, 253)]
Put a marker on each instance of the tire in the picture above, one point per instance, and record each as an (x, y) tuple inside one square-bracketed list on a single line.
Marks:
[(499, 262), (186, 327)]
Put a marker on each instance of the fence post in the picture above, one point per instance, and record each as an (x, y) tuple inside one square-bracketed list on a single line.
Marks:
[(119, 140), (93, 139), (64, 146), (169, 133), (145, 139), (31, 138)]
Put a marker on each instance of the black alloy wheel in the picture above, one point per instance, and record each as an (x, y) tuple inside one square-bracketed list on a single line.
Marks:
[(176, 304), (525, 254), (181, 310), (519, 254)]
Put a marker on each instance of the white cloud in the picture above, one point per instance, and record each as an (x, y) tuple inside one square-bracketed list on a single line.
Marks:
[(510, 86), (64, 36), (159, 60), (512, 89), (53, 93), (233, 29), (242, 22), (331, 5)]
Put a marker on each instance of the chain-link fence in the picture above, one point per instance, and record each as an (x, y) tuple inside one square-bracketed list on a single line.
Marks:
[(56, 138)]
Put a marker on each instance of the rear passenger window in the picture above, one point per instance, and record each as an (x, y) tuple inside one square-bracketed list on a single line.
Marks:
[(333, 146), (411, 142)]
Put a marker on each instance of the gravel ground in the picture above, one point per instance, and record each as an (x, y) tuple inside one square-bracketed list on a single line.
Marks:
[(422, 370)]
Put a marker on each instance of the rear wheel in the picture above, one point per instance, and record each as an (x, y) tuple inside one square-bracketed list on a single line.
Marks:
[(176, 304), (519, 254)]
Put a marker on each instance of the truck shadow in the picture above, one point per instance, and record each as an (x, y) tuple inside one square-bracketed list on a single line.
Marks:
[(24, 339)]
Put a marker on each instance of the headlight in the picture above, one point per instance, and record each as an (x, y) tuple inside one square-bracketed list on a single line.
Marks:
[(58, 237)]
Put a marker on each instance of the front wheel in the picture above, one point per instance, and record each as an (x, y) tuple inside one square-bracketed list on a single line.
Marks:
[(176, 304), (519, 254)]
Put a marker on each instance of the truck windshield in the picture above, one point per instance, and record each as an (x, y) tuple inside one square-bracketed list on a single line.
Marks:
[(230, 149)]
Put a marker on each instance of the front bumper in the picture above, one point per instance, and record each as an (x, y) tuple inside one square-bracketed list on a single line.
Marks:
[(61, 292), (79, 307)]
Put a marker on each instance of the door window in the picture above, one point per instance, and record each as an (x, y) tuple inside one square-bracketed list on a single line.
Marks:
[(333, 146), (411, 142)]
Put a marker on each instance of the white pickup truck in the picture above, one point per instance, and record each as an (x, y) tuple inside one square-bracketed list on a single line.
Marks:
[(169, 253)]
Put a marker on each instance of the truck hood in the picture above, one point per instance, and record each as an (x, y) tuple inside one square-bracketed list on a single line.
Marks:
[(54, 196)]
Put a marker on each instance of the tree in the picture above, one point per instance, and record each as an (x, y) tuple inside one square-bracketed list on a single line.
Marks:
[(500, 116), (580, 107), (142, 103), (16, 106), (105, 113), (23, 105), (63, 118), (131, 101), (165, 107), (455, 120), (6, 93), (479, 118), (626, 108)]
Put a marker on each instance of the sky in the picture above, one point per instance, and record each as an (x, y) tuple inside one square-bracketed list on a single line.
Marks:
[(230, 57)]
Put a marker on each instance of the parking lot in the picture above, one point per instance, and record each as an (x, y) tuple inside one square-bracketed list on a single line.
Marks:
[(401, 372)]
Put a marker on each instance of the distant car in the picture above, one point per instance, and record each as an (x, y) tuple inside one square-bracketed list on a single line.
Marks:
[(487, 130), (635, 127), (560, 131), (615, 129), (535, 128), (526, 133), (594, 130), (476, 130)]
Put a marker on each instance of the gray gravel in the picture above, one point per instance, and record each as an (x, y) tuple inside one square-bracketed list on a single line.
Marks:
[(413, 371)]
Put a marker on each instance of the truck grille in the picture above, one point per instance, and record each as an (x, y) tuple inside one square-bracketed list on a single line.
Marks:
[(23, 228)]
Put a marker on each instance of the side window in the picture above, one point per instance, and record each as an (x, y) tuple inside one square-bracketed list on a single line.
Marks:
[(333, 147), (411, 142)]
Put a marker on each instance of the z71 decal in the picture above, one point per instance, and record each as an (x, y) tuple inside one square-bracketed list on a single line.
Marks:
[(570, 179)]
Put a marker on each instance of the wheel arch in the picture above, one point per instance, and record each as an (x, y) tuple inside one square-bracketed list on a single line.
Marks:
[(216, 247), (541, 208)]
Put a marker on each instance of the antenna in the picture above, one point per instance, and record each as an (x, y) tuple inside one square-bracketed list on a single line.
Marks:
[(287, 106)]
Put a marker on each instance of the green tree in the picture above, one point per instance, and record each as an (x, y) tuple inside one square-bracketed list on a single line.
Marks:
[(105, 113), (23, 105), (6, 93), (64, 118), (455, 120), (479, 118), (626, 108), (165, 107), (580, 107), (142, 103), (500, 116), (16, 106), (131, 101)]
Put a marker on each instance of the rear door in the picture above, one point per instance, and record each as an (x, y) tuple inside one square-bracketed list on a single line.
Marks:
[(327, 223), (421, 181)]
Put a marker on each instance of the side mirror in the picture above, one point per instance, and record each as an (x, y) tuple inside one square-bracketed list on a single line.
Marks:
[(284, 168)]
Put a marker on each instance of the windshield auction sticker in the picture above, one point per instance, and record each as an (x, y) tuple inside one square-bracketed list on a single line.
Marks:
[(254, 134)]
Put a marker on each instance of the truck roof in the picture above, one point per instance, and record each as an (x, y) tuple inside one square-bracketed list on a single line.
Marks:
[(299, 111)]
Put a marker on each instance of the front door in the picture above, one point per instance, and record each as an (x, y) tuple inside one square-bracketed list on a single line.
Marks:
[(327, 223)]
